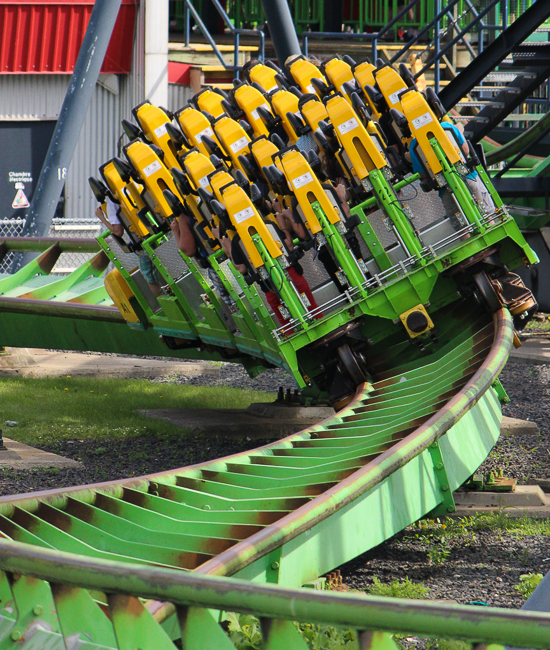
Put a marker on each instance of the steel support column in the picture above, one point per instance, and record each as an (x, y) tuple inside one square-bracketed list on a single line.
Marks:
[(281, 27), (71, 118)]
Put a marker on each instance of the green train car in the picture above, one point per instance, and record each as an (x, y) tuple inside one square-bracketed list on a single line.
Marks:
[(344, 245)]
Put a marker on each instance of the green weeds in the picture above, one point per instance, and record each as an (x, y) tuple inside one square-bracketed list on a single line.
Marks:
[(244, 632), (399, 589), (433, 530), (528, 583)]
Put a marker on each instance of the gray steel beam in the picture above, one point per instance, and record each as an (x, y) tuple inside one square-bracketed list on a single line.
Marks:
[(281, 28), (71, 118), (499, 49), (476, 130)]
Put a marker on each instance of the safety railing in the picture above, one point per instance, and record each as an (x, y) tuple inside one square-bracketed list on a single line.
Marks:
[(134, 621), (435, 25), (373, 37), (461, 16), (190, 12)]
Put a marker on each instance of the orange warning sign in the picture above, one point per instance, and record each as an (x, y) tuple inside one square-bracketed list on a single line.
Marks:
[(20, 200)]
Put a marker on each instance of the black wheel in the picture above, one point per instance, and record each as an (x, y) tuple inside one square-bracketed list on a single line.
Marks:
[(487, 291), (353, 364)]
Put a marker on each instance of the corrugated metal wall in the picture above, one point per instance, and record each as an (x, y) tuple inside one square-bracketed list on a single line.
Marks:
[(39, 97), (178, 96), (45, 36)]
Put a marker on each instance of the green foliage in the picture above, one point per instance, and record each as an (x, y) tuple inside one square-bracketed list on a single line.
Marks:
[(66, 409), (433, 530), (399, 589), (439, 553), (528, 583), (539, 324), (520, 526), (244, 631), (327, 637)]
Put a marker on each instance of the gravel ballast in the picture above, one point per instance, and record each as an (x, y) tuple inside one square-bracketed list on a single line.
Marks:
[(481, 566)]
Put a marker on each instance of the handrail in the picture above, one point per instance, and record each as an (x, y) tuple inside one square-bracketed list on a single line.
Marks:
[(523, 628), (189, 9), (396, 19), (41, 244), (345, 36), (440, 53)]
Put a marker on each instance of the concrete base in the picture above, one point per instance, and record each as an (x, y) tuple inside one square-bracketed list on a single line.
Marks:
[(515, 427), (533, 351), (283, 411), (525, 500), (543, 483), (279, 420), (23, 362), (16, 358), (20, 456)]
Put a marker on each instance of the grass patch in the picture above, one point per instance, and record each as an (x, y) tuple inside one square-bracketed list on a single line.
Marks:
[(430, 530), (398, 589), (520, 526), (64, 408), (539, 324)]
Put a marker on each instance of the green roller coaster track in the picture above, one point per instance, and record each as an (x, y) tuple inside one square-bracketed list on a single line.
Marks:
[(102, 564)]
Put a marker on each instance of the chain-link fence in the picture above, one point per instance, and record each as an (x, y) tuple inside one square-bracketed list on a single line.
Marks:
[(10, 228), (62, 228)]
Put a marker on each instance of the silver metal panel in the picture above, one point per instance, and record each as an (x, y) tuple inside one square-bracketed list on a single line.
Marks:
[(130, 261), (145, 291), (192, 291), (325, 293), (438, 232), (224, 266), (169, 255), (427, 207), (386, 237), (314, 271)]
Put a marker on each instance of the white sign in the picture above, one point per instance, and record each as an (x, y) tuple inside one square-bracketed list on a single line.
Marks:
[(160, 131), (349, 125), (204, 182), (351, 83), (239, 144), (152, 168), (20, 200), (394, 97), (20, 177), (311, 89), (302, 180), (208, 131), (421, 121), (243, 215), (255, 113)]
